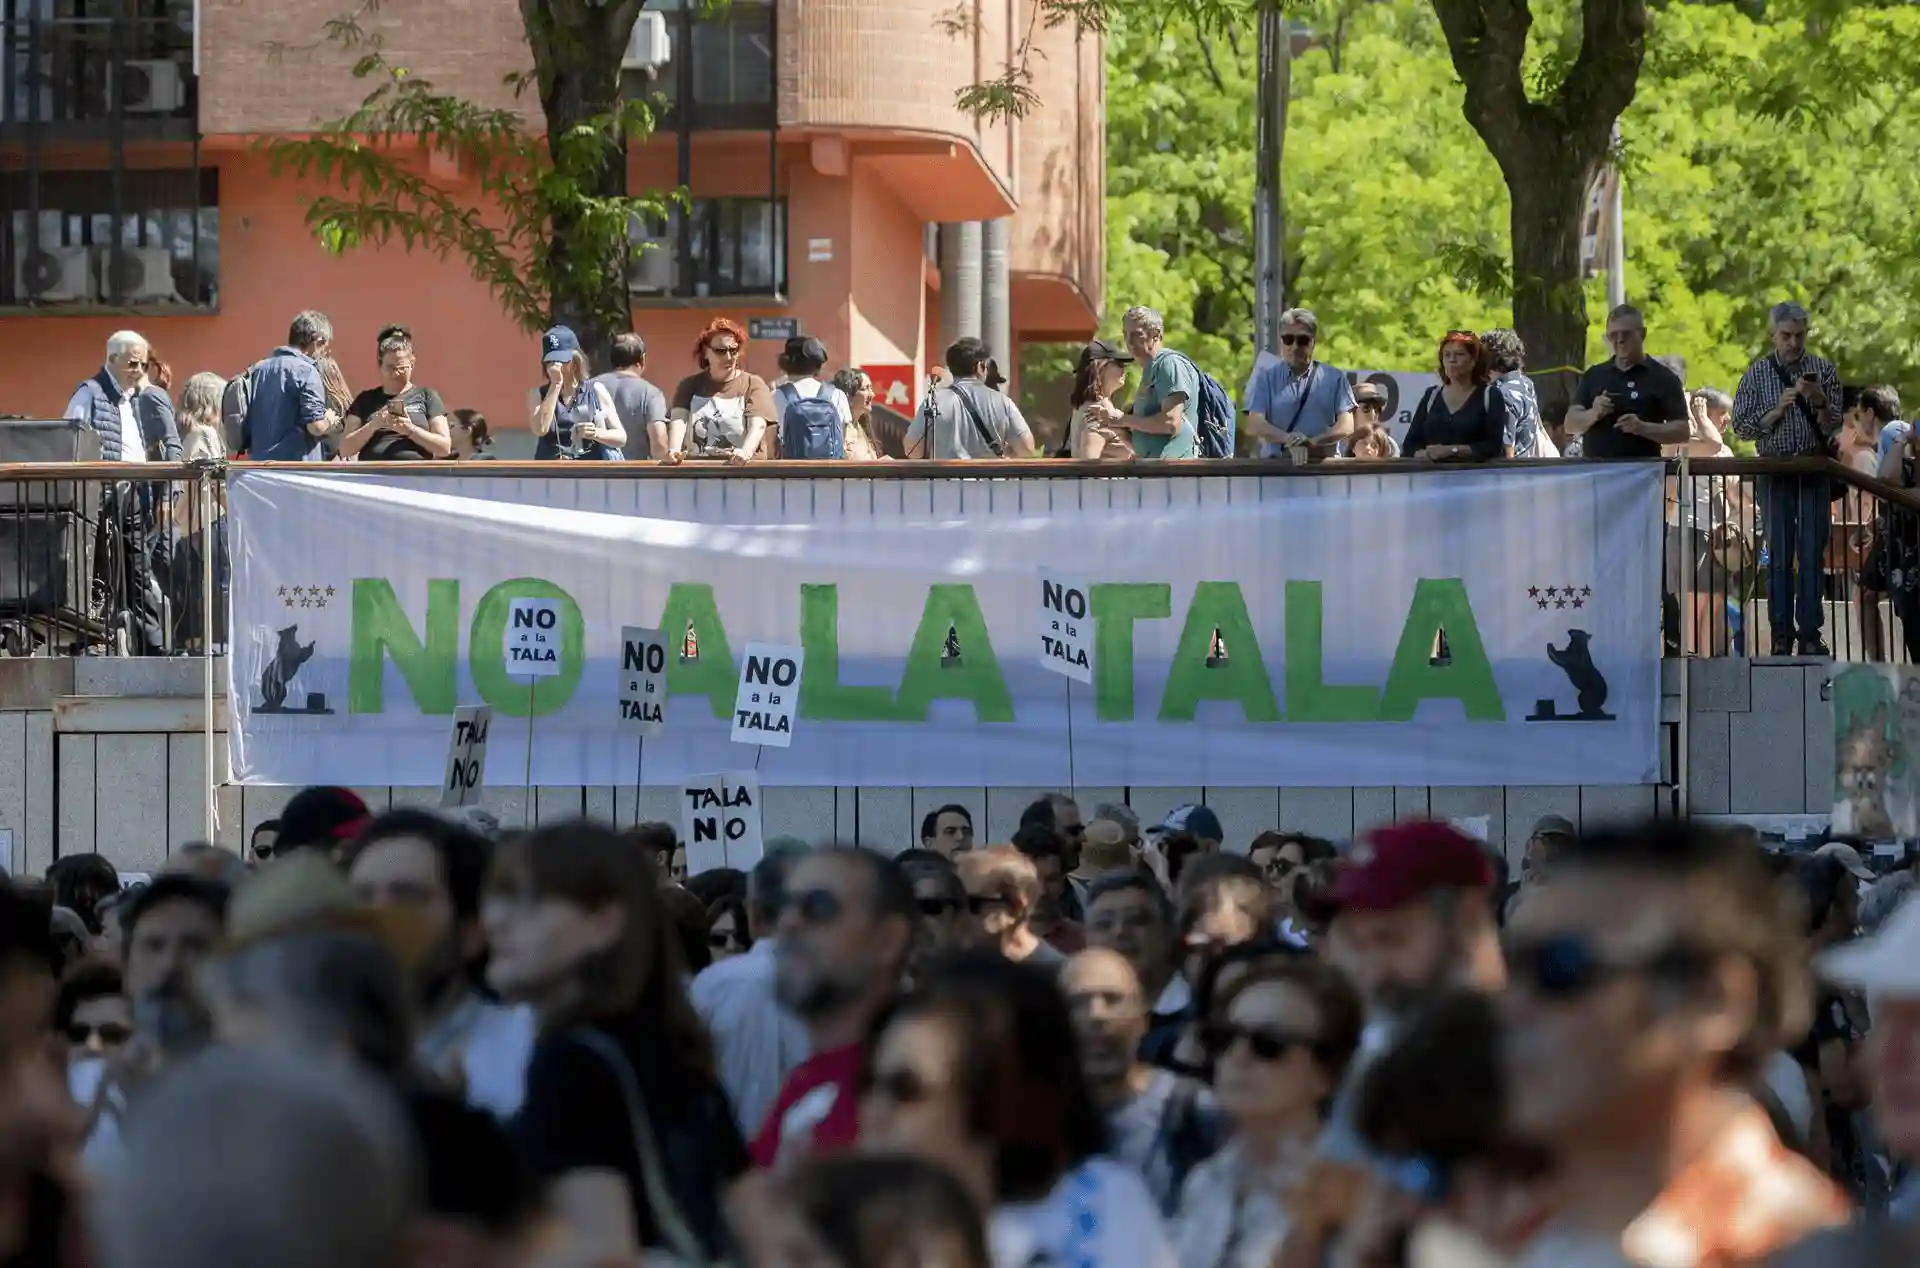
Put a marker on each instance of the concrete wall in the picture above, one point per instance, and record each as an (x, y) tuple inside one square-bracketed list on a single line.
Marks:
[(99, 754)]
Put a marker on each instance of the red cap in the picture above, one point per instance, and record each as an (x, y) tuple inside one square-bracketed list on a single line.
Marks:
[(1392, 866)]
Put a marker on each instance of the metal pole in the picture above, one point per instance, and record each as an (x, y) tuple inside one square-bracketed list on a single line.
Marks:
[(1616, 233), (210, 809), (1269, 199), (1688, 632)]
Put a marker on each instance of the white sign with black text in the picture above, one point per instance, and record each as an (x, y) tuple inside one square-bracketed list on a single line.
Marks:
[(466, 755), (769, 695), (1066, 628), (531, 645), (720, 821), (643, 681)]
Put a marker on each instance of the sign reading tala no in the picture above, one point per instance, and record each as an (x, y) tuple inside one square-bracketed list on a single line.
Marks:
[(1458, 627)]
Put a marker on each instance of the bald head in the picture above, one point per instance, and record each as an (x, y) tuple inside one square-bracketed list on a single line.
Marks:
[(1109, 1015), (248, 1163)]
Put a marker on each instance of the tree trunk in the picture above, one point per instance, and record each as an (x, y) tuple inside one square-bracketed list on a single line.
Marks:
[(577, 46), (1548, 151)]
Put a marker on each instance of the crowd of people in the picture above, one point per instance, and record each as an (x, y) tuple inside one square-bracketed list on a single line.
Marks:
[(407, 1040)]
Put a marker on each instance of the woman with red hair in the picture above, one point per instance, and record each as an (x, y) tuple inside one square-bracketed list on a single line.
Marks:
[(723, 411), (1465, 418)]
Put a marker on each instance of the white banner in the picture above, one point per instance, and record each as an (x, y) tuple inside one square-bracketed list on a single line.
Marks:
[(1247, 631)]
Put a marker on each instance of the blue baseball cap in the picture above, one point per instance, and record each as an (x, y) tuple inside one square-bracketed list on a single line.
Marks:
[(558, 345), (1198, 820)]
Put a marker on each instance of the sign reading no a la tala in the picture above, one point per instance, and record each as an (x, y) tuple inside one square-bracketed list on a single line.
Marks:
[(1454, 628)]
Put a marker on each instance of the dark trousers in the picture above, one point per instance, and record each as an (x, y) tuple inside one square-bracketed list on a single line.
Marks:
[(1799, 515), (125, 568)]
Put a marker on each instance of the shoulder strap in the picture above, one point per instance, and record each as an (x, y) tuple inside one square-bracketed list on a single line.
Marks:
[(653, 1174), (1786, 380), (1306, 394), (979, 423)]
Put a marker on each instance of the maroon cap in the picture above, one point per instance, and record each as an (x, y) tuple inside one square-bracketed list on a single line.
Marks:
[(320, 816), (1392, 866)]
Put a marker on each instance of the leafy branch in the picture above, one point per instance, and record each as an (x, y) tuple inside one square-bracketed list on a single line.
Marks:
[(528, 183)]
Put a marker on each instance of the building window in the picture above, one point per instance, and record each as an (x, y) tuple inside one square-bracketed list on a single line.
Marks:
[(89, 63), (734, 246), (729, 71), (57, 238)]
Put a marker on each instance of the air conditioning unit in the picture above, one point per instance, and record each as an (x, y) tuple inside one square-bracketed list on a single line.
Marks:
[(152, 86), (649, 261), (52, 274), (144, 275), (648, 47)]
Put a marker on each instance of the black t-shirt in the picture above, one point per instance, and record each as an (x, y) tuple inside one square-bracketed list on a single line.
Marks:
[(1648, 390), (1480, 423), (575, 1119), (421, 403)]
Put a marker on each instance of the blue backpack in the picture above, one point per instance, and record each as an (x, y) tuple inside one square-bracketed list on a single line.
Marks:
[(1212, 416), (810, 426)]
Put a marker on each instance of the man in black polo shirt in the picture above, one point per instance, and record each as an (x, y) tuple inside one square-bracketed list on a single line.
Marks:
[(1629, 406)]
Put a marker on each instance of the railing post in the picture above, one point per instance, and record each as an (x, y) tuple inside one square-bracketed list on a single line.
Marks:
[(210, 804), (1689, 528)]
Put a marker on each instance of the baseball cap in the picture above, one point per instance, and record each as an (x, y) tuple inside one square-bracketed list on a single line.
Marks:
[(1888, 963), (1393, 866), (558, 344), (1198, 820), (320, 816), (1554, 826), (1849, 859), (1101, 350)]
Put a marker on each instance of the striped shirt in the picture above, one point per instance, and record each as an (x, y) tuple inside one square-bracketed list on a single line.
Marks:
[(1760, 390)]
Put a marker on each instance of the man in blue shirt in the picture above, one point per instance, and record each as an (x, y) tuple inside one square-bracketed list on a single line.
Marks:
[(1162, 419), (287, 410), (1297, 405)]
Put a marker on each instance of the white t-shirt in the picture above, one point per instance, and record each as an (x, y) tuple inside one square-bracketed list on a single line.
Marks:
[(495, 1043), (103, 1142), (807, 389), (1100, 1215)]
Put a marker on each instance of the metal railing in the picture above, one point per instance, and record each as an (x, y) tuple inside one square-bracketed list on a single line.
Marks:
[(94, 563)]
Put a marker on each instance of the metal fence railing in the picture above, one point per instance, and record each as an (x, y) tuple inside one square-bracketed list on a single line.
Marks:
[(94, 563)]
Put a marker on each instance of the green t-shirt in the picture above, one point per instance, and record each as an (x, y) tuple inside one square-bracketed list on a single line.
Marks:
[(1167, 374)]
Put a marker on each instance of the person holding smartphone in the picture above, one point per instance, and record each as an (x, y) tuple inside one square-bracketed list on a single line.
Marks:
[(1629, 405), (398, 421)]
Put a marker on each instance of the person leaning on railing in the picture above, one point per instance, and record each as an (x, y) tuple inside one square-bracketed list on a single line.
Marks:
[(1464, 419)]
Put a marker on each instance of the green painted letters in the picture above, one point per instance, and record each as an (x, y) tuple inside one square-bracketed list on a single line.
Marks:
[(977, 677), (712, 674), (1243, 678), (1309, 697), (487, 662), (1441, 604), (1115, 608), (381, 629), (823, 697)]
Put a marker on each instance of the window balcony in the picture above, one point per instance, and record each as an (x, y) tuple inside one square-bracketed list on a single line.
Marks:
[(95, 78), (719, 248)]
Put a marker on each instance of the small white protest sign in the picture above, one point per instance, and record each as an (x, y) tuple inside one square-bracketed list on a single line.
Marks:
[(1066, 628), (643, 681), (531, 645), (720, 821), (466, 755), (769, 695)]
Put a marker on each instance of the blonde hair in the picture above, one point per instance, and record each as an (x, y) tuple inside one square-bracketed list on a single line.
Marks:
[(200, 402), (333, 381)]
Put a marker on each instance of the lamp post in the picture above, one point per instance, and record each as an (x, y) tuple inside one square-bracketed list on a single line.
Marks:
[(1281, 40)]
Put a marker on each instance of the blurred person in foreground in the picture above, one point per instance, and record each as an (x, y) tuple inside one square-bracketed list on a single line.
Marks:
[(1128, 913), (622, 1074), (860, 1211), (424, 863), (1648, 983), (1279, 1037), (978, 1071), (757, 1042), (846, 929), (1162, 1124), (1886, 968), (40, 1129), (1057, 916), (243, 1163), (1224, 903)]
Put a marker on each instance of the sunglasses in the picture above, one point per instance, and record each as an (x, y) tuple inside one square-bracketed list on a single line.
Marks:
[(1369, 403), (815, 906), (721, 941), (724, 349), (1219, 1038), (981, 904), (111, 1033), (1295, 341), (1569, 966), (935, 908)]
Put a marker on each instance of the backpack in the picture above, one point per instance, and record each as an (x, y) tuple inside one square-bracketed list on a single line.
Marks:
[(810, 426), (1213, 419), (235, 402)]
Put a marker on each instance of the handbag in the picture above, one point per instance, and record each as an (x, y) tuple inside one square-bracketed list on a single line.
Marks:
[(683, 1248)]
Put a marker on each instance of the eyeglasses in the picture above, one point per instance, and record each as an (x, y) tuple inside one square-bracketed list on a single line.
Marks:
[(1569, 966), (935, 908), (1280, 869), (111, 1033), (815, 906), (1369, 403), (1614, 336), (724, 349), (1219, 1038), (1295, 341)]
